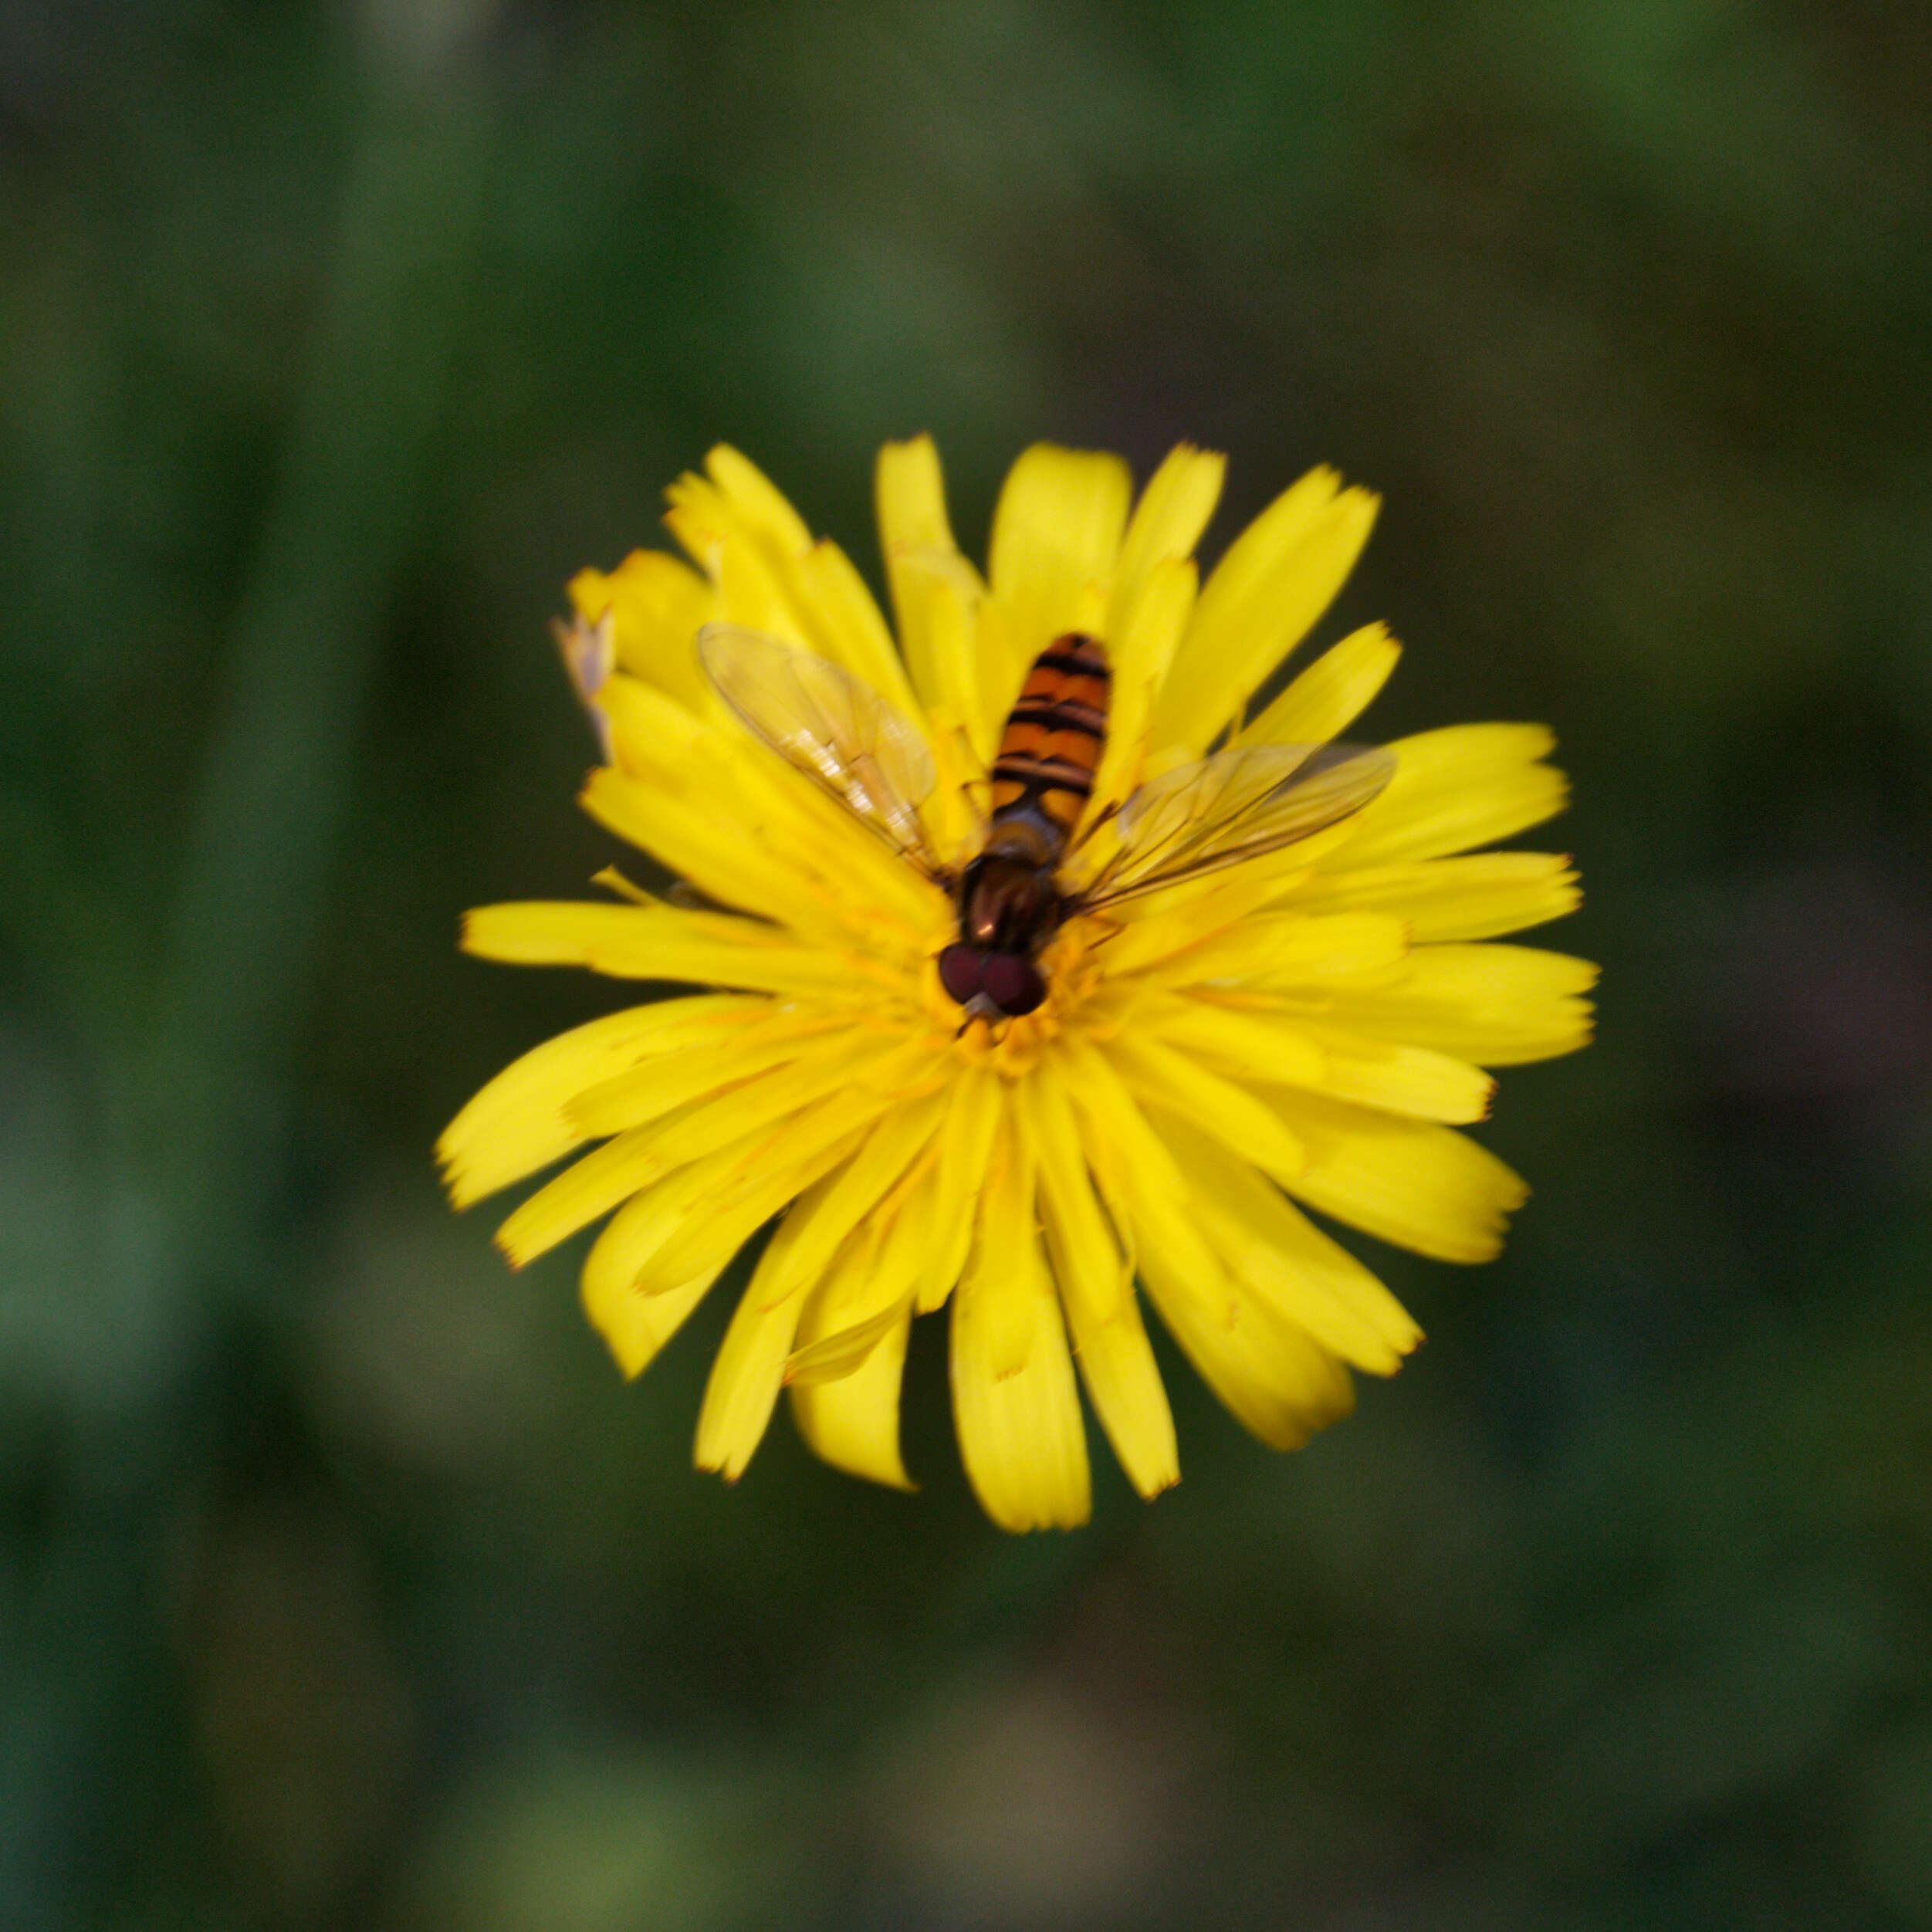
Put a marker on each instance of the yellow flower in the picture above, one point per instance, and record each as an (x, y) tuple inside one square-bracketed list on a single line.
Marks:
[(1304, 1029)]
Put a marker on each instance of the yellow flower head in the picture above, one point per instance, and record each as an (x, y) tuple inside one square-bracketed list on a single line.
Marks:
[(1260, 974)]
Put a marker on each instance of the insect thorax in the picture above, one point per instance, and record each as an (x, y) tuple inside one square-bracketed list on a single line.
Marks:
[(1008, 901)]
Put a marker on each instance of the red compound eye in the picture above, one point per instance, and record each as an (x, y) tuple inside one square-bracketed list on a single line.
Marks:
[(961, 971), (1012, 982)]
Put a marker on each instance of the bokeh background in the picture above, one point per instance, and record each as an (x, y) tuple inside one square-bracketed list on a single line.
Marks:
[(345, 1584)]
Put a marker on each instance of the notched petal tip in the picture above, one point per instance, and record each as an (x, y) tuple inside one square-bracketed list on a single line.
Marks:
[(461, 1196), (1403, 1351)]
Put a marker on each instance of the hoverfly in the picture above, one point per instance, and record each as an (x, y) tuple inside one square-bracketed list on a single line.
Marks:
[(1233, 805)]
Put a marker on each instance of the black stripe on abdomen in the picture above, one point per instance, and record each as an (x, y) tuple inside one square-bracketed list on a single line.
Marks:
[(1050, 774), (1060, 714)]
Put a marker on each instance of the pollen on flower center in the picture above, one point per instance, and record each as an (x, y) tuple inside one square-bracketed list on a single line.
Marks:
[(1072, 964)]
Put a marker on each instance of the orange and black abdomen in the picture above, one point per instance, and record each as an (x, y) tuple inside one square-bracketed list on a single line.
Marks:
[(1055, 733)]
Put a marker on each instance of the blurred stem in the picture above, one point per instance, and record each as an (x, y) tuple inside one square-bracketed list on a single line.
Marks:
[(334, 535), (185, 1219)]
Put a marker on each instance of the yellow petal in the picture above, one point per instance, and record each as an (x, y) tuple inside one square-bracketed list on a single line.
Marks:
[(1096, 1290), (775, 1166), (1402, 1078), (1277, 579), (1124, 1384), (1232, 938), (517, 1124), (879, 1272), (1496, 1006), (935, 591), (1465, 786), (853, 1422), (854, 1067), (750, 1369), (844, 1371), (1277, 1255), (1261, 1045), (645, 1273), (644, 720), (634, 1323), (965, 1148), (1477, 897), (1273, 1377), (1331, 694), (1166, 524), (598, 1182), (832, 585), (1138, 1176), (770, 576), (693, 1222), (1020, 1435), (1007, 1252), (1056, 536), (1406, 1182), (592, 1186), (1140, 649), (1169, 924), (745, 1377), (639, 1281), (556, 931), (657, 605), (758, 501), (909, 493), (832, 1356), (635, 1327), (658, 942), (1293, 949), (1087, 1261), (1157, 1074), (761, 1040), (947, 663), (718, 538), (812, 1233), (1130, 1160), (856, 875), (697, 839)]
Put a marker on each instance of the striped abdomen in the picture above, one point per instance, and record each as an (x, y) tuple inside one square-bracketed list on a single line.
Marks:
[(1054, 735)]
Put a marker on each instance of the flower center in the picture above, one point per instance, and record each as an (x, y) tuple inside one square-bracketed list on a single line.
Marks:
[(1072, 965)]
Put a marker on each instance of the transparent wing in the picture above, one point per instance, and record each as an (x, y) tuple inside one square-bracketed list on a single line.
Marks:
[(829, 725), (1234, 805)]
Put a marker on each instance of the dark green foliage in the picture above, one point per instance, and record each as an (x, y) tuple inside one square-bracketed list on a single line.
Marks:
[(343, 1583)]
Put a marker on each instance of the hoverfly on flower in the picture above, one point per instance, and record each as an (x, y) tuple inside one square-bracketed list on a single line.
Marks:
[(1016, 892), (1045, 976)]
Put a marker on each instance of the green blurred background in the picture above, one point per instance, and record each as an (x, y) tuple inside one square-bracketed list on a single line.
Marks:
[(344, 1582)]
